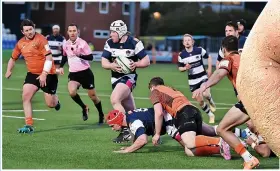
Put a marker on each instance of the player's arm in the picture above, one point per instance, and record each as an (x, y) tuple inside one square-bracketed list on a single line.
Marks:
[(155, 99), (140, 142), (216, 77), (15, 55), (181, 66), (220, 57), (106, 55), (142, 55), (88, 53), (158, 122), (63, 61), (205, 55), (261, 149)]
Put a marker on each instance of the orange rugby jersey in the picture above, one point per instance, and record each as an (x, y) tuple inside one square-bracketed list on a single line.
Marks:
[(34, 52), (231, 64), (171, 100)]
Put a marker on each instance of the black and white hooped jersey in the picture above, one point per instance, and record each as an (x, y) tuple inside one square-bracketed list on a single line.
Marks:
[(55, 43), (132, 48), (141, 121), (197, 71)]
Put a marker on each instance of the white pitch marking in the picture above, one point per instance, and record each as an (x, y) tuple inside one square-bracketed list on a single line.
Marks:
[(18, 117), (22, 110)]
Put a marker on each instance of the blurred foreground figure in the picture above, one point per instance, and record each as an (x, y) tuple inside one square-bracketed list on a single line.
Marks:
[(258, 78)]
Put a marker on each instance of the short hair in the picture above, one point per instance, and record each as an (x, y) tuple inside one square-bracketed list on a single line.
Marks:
[(156, 81), (26, 22), (188, 35), (73, 24), (242, 22), (230, 43), (232, 24)]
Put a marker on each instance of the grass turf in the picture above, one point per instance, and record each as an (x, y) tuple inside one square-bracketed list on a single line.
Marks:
[(64, 141)]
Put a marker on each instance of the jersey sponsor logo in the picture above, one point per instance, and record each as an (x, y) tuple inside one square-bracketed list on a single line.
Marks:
[(224, 63)]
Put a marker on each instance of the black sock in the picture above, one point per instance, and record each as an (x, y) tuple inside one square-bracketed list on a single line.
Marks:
[(99, 108), (79, 101)]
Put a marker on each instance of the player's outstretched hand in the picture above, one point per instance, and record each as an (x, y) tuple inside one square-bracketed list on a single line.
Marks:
[(188, 66), (8, 74), (155, 139), (61, 71), (42, 79), (197, 93), (121, 151), (115, 67)]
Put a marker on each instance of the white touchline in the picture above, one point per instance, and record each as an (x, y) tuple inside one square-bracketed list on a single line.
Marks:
[(20, 110), (106, 95), (18, 117)]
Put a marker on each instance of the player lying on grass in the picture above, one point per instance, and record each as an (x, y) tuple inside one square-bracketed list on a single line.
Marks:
[(255, 140), (190, 59), (41, 73), (187, 118), (237, 115), (142, 124), (78, 53)]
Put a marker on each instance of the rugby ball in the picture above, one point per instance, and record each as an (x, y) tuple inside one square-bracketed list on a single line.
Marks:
[(124, 62)]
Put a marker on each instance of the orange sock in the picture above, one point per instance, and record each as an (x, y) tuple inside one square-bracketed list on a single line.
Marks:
[(206, 150), (29, 121), (202, 140), (240, 149)]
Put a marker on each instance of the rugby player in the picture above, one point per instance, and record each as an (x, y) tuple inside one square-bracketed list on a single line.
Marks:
[(142, 124), (55, 42), (187, 119), (255, 140), (78, 53), (237, 115), (241, 28), (40, 71), (190, 59), (231, 29), (122, 44)]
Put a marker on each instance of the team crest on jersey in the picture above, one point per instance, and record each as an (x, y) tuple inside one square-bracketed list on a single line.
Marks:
[(128, 52)]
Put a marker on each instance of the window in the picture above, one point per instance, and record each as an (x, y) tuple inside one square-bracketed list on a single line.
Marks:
[(101, 34), (34, 5), (49, 5), (103, 7), (80, 6), (125, 8)]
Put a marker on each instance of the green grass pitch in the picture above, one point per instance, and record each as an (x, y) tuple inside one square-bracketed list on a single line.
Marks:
[(64, 141)]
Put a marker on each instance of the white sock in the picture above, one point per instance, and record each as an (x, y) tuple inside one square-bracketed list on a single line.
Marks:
[(246, 156), (215, 128), (211, 114)]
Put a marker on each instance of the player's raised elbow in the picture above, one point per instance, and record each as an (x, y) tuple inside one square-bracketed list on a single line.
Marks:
[(146, 61)]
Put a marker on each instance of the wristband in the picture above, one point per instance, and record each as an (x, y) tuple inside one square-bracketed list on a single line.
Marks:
[(47, 66)]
